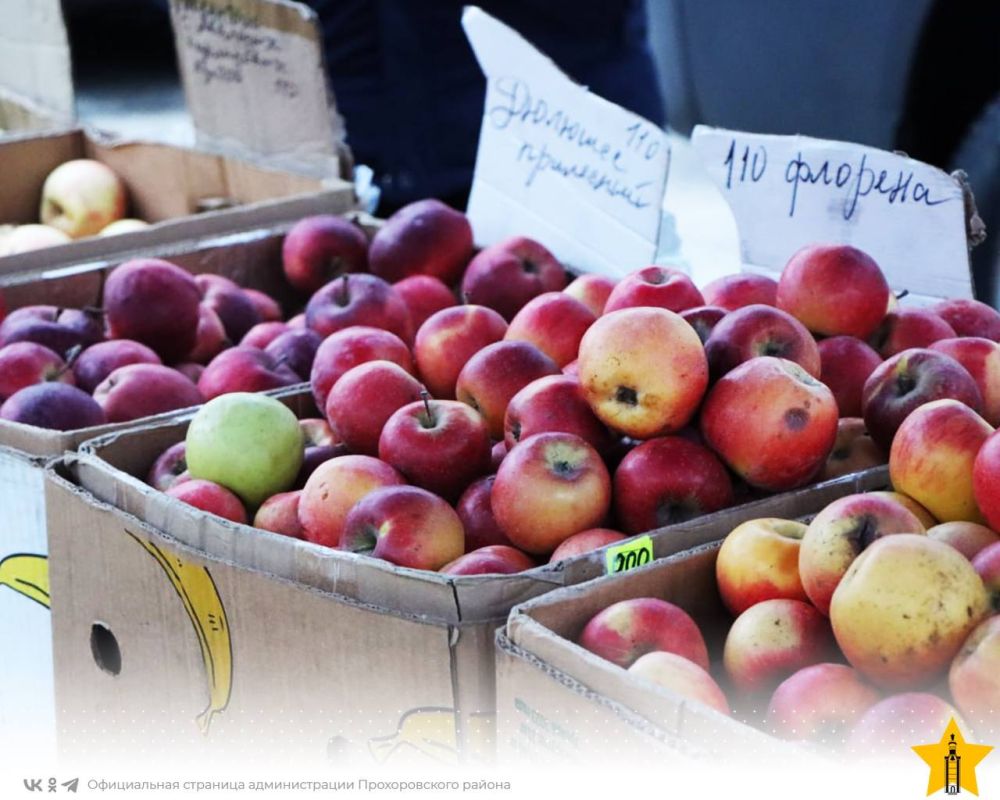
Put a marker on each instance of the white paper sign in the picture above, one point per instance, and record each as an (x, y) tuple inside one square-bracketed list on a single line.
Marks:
[(559, 164), (34, 55), (790, 191)]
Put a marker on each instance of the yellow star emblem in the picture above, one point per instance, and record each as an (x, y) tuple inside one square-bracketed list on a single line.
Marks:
[(952, 761)]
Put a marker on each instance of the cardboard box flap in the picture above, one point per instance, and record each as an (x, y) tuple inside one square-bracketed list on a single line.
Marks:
[(19, 116), (34, 56), (255, 82)]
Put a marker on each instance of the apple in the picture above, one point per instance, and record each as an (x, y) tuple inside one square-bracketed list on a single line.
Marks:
[(169, 468), (236, 311), (554, 322), (321, 444), (667, 480), (932, 458), (25, 238), (280, 514), (45, 325), (100, 360), (703, 319), (406, 526), (681, 676), (296, 349), (904, 607), (906, 328), (643, 371), (974, 677), (911, 505), (853, 451), (210, 337), (839, 533), (126, 225), (759, 330), (476, 512), (422, 238), (358, 299), (549, 487), (820, 703), (908, 380), (629, 629), (834, 290), (54, 405), (986, 480), (423, 296), (320, 248), (439, 445), (771, 422), (659, 287), (364, 398), (497, 455), (845, 364), (894, 724), (448, 339), (298, 321), (981, 358), (26, 363), (81, 197), (190, 370), (969, 538), (743, 289), (210, 497), (244, 369), (506, 275), (496, 559), (592, 290), (345, 349), (153, 302), (772, 640), (263, 333), (334, 488), (585, 542), (969, 317), (987, 566), (759, 560), (268, 309), (249, 443), (144, 390)]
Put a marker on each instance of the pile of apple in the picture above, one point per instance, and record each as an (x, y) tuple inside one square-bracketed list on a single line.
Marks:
[(845, 629), (80, 198)]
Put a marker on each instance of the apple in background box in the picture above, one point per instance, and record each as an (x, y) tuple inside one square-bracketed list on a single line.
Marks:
[(643, 371), (25, 238), (554, 403), (424, 295), (263, 333), (845, 364), (703, 319), (771, 422), (987, 566), (974, 677), (244, 369), (448, 339), (841, 532), (25, 315), (81, 197), (191, 371), (760, 330), (820, 703), (210, 497), (772, 640), (668, 480), (26, 363), (268, 309), (986, 481), (909, 380), (321, 444), (320, 248), (743, 289), (904, 607), (495, 374), (585, 542), (969, 538), (406, 526), (834, 290), (981, 358), (345, 349), (906, 328), (439, 445), (126, 225), (549, 487), (659, 287), (970, 317), (296, 350), (169, 468), (280, 514), (853, 451), (249, 443), (100, 360), (497, 559), (759, 560), (476, 513), (506, 275), (358, 299), (554, 322), (53, 405), (628, 629), (40, 324), (210, 337), (236, 311), (932, 459), (894, 724), (153, 302), (298, 321), (422, 238), (592, 290), (364, 398), (497, 455), (681, 676), (143, 390), (911, 505)]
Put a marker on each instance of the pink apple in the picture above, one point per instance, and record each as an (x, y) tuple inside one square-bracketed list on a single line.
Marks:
[(554, 322), (352, 346), (424, 295), (263, 333), (759, 330), (981, 358), (970, 317), (422, 238), (244, 369), (743, 289), (660, 287), (758, 561), (681, 676), (845, 364), (210, 497), (210, 337), (476, 512), (592, 290), (893, 725), (585, 542), (448, 339), (280, 514), (267, 307), (320, 248), (497, 559), (703, 319), (820, 703), (906, 328), (358, 299), (506, 275), (969, 538), (54, 405), (100, 360), (142, 390), (26, 363), (169, 468)]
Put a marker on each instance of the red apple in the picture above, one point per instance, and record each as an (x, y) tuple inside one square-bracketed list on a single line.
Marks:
[(974, 677), (703, 319), (853, 451), (267, 307), (970, 317), (54, 405), (169, 468), (969, 538), (820, 703), (506, 275), (321, 444), (423, 238), (906, 328), (585, 542), (554, 403), (592, 290), (210, 497), (476, 513), (296, 349), (26, 363), (263, 333), (210, 337), (659, 287), (318, 249), (142, 390), (986, 480), (682, 677), (280, 514), (981, 358), (497, 455), (100, 360), (845, 364), (987, 566), (497, 559), (759, 560), (237, 311), (423, 296), (743, 289), (352, 346), (189, 370), (244, 369), (448, 339), (358, 299), (554, 322), (894, 724), (759, 330)]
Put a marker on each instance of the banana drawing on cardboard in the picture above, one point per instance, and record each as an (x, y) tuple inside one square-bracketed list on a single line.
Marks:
[(196, 588), (433, 731), (27, 574)]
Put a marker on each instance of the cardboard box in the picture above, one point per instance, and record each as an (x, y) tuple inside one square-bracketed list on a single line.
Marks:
[(20, 117), (556, 700)]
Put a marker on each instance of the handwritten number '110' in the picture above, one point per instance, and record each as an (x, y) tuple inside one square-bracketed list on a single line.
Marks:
[(756, 164), (637, 141)]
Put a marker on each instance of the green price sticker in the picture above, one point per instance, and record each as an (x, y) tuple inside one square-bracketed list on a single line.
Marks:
[(633, 553)]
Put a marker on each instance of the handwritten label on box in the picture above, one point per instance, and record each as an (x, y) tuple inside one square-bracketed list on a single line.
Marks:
[(559, 164), (790, 191)]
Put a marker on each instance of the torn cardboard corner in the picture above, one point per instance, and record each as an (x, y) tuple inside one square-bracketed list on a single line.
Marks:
[(20, 118), (255, 81), (35, 59), (557, 163), (787, 192)]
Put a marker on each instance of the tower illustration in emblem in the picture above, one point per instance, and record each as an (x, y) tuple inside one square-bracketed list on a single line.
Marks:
[(952, 768)]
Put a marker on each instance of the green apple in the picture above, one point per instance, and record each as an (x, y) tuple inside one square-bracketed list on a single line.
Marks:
[(249, 443)]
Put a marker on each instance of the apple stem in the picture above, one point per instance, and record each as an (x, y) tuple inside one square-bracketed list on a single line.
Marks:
[(426, 397), (71, 356), (344, 294), (902, 293)]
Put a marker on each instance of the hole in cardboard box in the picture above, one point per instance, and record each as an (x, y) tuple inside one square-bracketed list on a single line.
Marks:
[(104, 647)]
